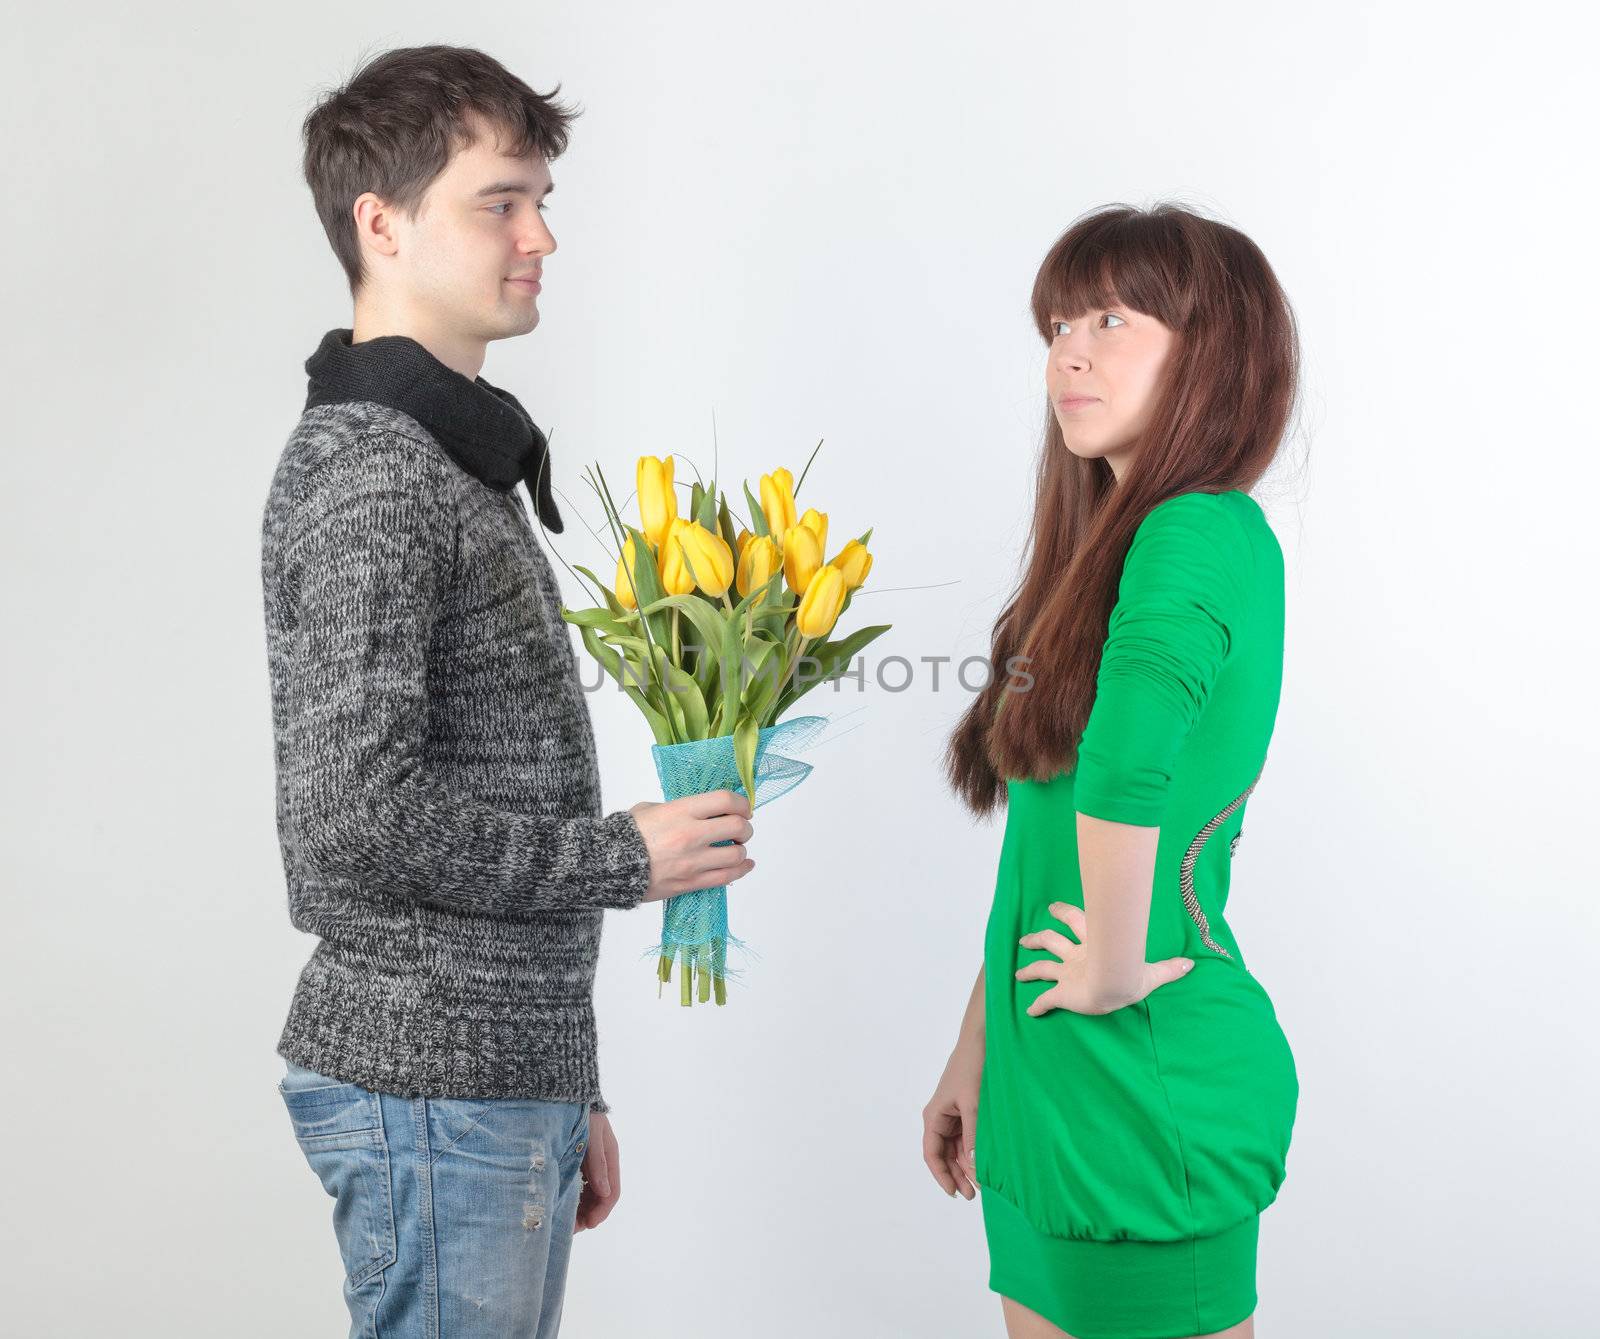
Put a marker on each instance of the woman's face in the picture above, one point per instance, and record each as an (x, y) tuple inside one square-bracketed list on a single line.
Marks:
[(1102, 374)]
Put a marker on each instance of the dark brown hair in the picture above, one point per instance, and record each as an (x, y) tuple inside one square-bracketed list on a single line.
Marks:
[(1225, 398), (393, 128)]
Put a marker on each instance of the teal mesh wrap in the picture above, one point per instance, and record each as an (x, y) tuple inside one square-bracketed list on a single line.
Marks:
[(694, 926)]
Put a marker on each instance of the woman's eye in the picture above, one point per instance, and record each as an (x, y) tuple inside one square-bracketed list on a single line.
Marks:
[(1058, 328), (1112, 316)]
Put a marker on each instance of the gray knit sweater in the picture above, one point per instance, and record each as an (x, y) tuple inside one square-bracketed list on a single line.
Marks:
[(438, 799)]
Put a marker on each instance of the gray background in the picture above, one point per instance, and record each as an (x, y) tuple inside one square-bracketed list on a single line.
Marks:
[(823, 221)]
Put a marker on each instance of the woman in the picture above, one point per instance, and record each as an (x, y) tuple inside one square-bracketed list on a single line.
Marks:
[(1121, 1090)]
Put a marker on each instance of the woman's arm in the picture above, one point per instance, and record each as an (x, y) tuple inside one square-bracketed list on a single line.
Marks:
[(1117, 863), (950, 1120), (973, 1020)]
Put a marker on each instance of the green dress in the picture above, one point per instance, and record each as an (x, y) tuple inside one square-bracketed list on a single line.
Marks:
[(1124, 1158)]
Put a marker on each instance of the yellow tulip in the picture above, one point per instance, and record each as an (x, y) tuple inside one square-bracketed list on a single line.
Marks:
[(695, 555), (817, 522), (802, 556), (777, 500), (675, 578), (626, 574), (854, 561), (740, 544), (658, 503), (758, 560), (820, 606)]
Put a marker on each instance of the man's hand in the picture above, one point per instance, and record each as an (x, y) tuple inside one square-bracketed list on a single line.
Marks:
[(680, 837), (602, 1174)]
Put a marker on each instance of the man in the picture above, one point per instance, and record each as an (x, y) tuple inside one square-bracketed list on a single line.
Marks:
[(438, 801)]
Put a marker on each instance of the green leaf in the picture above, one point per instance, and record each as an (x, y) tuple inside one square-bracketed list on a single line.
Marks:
[(685, 691), (709, 621), (730, 536), (615, 665), (705, 511), (773, 588), (746, 735), (833, 658), (697, 494), (765, 671), (612, 603), (718, 633), (597, 618), (774, 620), (807, 469), (679, 694), (758, 518)]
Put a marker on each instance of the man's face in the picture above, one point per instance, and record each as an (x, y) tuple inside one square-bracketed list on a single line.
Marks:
[(469, 265)]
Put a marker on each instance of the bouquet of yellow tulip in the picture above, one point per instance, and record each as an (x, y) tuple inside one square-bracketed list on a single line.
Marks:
[(712, 673)]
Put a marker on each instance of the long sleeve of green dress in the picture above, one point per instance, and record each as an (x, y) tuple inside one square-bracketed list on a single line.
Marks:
[(1183, 602)]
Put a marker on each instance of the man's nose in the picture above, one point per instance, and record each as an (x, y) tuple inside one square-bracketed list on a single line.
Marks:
[(538, 241)]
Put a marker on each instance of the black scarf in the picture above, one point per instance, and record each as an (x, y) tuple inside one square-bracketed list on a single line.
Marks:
[(484, 429)]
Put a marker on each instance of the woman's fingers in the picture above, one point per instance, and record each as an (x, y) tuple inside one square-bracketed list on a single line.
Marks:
[(1051, 940), (969, 1133), (1042, 970), (935, 1149), (1073, 916), (963, 1183), (1043, 1005), (1168, 970)]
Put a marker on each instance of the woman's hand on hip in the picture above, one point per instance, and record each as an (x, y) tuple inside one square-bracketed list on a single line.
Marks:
[(1073, 990)]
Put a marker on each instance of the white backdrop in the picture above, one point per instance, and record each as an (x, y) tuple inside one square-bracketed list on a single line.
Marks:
[(823, 221)]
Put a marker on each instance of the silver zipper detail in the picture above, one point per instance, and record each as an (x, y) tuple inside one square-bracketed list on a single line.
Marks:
[(1186, 869)]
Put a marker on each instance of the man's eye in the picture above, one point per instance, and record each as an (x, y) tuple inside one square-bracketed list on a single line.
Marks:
[(504, 204)]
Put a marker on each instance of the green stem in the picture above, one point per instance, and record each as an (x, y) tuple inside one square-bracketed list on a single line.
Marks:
[(788, 674)]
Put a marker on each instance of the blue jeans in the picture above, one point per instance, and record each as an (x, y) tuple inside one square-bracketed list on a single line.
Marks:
[(454, 1216)]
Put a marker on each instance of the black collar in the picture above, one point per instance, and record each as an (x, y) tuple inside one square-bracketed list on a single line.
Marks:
[(484, 429)]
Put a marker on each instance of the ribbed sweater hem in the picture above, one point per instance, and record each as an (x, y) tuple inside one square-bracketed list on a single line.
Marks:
[(412, 1041)]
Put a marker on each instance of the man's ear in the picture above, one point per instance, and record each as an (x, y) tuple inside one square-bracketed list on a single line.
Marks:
[(375, 224)]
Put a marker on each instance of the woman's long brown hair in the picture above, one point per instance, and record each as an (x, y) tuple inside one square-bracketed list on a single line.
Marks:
[(1221, 408)]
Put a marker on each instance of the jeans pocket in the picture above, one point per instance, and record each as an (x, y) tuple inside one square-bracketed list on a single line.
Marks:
[(580, 1134), (339, 1127)]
